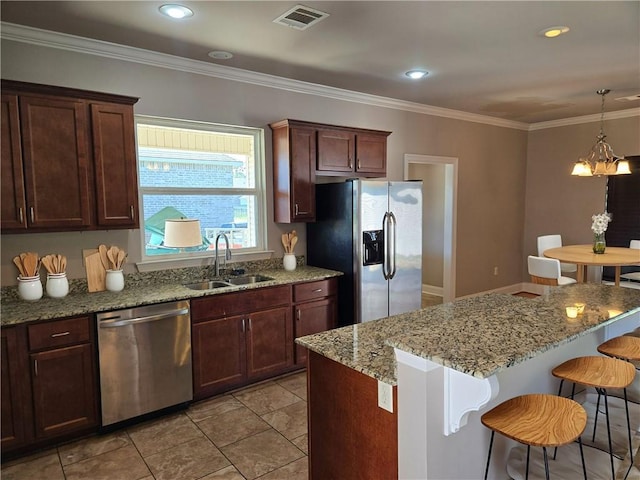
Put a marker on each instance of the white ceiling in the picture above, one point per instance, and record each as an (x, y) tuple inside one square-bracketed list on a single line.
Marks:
[(483, 57)]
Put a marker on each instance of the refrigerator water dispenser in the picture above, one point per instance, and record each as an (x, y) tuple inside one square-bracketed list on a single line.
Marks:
[(373, 247)]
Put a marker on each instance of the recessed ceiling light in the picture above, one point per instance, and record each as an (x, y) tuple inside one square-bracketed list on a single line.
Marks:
[(175, 11), (553, 32), (220, 55), (416, 74)]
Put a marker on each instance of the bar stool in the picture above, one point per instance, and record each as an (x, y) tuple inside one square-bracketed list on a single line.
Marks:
[(600, 373), (538, 420)]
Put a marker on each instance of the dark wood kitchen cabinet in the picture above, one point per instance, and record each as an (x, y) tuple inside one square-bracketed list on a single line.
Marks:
[(15, 419), (49, 383), (294, 157), (304, 150), (68, 159), (350, 151), (63, 377), (240, 337), (315, 310)]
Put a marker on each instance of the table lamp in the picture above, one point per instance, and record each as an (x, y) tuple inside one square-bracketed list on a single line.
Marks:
[(182, 233)]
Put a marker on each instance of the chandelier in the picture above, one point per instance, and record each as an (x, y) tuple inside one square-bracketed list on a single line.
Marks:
[(601, 160)]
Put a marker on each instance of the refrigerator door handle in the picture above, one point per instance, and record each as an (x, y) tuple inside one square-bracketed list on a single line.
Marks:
[(392, 251), (386, 233)]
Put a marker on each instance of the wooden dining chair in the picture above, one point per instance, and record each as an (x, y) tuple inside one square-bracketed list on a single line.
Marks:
[(546, 271), (545, 242)]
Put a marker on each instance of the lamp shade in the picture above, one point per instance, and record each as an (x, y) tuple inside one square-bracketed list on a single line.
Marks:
[(182, 233)]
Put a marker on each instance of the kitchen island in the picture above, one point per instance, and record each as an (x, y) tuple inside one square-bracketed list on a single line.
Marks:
[(446, 364)]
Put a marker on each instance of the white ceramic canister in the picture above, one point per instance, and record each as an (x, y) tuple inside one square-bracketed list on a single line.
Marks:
[(57, 285), (289, 261), (114, 280), (30, 288)]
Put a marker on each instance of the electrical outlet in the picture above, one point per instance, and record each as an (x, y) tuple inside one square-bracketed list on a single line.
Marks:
[(385, 396), (495, 271)]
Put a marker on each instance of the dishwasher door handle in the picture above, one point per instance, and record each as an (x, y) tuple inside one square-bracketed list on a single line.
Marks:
[(118, 322)]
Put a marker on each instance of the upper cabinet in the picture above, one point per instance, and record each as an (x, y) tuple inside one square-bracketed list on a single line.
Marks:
[(304, 150), (68, 160)]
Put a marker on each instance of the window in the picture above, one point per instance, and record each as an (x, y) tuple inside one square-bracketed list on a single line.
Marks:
[(210, 172)]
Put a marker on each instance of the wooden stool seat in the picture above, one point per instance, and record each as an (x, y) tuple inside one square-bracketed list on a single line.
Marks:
[(625, 347), (538, 420), (597, 372)]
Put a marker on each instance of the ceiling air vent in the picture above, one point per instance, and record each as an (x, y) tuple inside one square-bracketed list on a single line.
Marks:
[(300, 17)]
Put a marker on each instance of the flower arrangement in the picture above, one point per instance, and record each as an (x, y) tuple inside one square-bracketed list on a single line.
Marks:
[(599, 226), (600, 222)]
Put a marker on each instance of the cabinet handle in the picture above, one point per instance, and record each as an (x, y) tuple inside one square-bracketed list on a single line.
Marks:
[(32, 213), (317, 290), (249, 325), (358, 164), (132, 212), (61, 334), (295, 209), (350, 162), (35, 367), (20, 215), (298, 314), (243, 326)]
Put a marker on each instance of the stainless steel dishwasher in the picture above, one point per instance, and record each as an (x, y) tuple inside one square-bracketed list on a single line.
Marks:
[(145, 360)]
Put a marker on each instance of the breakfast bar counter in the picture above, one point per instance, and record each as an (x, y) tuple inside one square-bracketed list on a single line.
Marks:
[(445, 364)]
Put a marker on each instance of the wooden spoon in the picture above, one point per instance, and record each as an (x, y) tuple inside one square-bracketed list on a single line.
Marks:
[(120, 259), (63, 264), (294, 240), (112, 255), (18, 263), (47, 262), (30, 263)]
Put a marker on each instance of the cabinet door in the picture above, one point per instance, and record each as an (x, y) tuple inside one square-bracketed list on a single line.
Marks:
[(55, 153), (269, 342), (313, 317), (371, 154), (64, 389), (13, 201), (335, 150), (303, 192), (14, 384), (115, 165), (219, 355)]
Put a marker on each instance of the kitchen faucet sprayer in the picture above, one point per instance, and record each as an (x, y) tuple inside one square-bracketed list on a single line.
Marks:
[(227, 255)]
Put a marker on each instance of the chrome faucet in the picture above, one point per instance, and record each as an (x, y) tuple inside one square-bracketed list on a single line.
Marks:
[(227, 255)]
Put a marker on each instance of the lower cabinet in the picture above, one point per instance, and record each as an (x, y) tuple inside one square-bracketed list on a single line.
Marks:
[(315, 310), (239, 338), (49, 382)]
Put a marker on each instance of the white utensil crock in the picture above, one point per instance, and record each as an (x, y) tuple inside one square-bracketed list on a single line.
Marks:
[(289, 261), (114, 280), (57, 285), (30, 288)]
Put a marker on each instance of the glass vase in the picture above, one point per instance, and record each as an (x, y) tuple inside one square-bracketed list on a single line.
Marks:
[(599, 243)]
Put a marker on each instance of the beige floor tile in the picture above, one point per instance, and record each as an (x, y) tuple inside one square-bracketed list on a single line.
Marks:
[(296, 384), (212, 407), (298, 470), (261, 453), (90, 447), (232, 426), (124, 464), (267, 398), (30, 457), (42, 467), (228, 473), (290, 421), (187, 461), (157, 435), (302, 442)]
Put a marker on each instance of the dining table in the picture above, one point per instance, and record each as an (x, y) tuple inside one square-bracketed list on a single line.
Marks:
[(583, 257)]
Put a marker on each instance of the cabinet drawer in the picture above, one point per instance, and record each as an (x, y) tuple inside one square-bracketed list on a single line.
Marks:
[(312, 290), (58, 333), (247, 301)]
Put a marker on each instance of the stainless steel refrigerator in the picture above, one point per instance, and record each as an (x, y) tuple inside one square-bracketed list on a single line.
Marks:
[(372, 231)]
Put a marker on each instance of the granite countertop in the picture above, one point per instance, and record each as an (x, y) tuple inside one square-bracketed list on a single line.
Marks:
[(479, 336), (140, 290)]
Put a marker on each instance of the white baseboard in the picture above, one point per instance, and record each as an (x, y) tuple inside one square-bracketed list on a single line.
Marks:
[(433, 290)]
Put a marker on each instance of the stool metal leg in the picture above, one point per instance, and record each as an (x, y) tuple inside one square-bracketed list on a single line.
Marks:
[(486, 471), (555, 450), (595, 422), (626, 404), (526, 477), (584, 466), (546, 463), (606, 409)]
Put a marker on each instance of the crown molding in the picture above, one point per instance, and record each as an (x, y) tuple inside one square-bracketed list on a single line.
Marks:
[(62, 41), (563, 122)]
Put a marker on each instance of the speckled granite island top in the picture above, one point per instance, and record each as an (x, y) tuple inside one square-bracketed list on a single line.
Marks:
[(479, 336), (141, 292)]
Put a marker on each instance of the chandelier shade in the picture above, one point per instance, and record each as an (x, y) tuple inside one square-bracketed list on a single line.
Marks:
[(601, 160)]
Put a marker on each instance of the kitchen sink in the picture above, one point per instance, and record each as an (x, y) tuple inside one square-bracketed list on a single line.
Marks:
[(207, 285), (247, 279)]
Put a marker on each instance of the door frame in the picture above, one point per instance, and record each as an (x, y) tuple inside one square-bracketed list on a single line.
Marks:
[(450, 215)]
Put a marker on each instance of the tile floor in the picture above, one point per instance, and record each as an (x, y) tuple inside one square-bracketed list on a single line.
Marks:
[(257, 432)]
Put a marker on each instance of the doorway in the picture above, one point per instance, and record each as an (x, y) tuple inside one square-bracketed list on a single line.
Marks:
[(440, 180)]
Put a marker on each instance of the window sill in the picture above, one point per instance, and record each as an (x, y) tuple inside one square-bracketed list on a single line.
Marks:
[(200, 261)]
